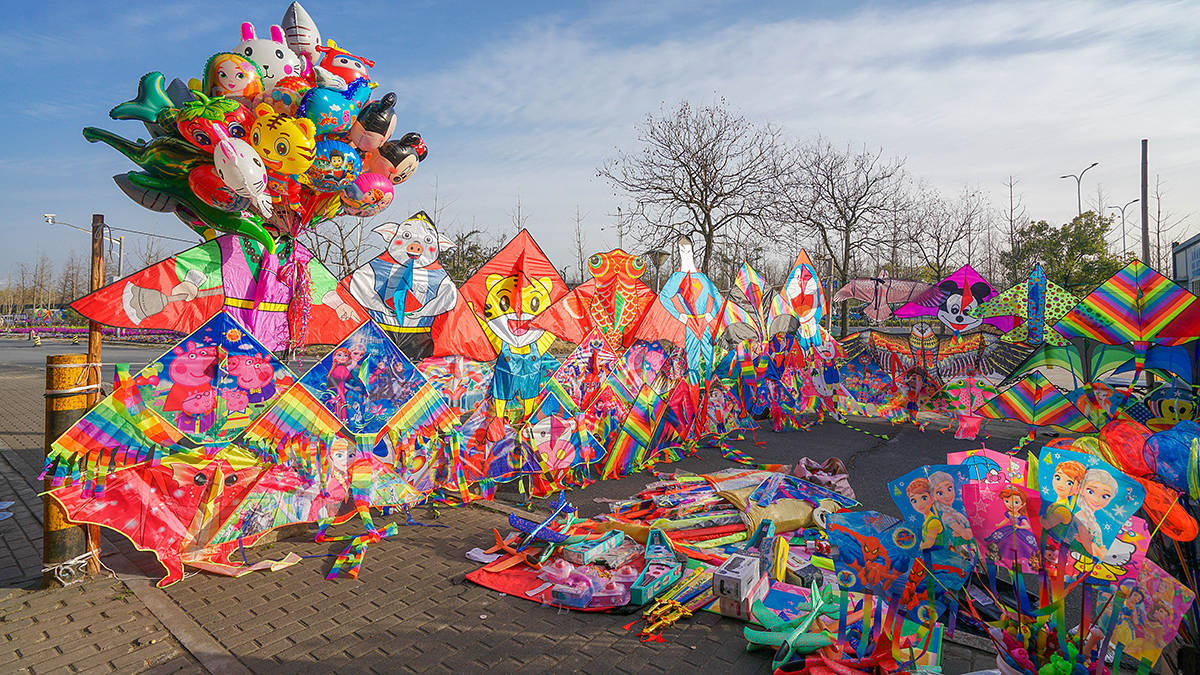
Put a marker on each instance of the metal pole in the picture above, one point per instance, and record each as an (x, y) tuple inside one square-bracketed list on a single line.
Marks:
[(63, 542), (1146, 201), (1079, 193)]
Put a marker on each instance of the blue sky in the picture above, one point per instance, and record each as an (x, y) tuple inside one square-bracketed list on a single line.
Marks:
[(529, 98)]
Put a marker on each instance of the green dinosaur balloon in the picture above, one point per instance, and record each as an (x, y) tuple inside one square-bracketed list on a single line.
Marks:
[(165, 156), (151, 105), (162, 193)]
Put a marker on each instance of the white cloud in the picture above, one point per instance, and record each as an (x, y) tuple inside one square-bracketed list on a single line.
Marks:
[(969, 93)]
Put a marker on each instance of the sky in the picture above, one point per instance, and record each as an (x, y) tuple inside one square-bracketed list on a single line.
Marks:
[(525, 100)]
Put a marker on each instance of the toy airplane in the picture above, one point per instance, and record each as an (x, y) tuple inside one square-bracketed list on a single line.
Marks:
[(542, 531), (793, 637), (586, 552), (661, 570)]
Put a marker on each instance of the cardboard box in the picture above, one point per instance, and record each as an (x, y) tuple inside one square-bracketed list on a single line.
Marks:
[(740, 608), (735, 578)]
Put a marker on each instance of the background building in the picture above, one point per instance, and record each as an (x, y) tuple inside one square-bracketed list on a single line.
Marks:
[(1187, 263)]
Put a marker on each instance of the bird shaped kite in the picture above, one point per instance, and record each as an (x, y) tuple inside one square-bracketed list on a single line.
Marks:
[(881, 292)]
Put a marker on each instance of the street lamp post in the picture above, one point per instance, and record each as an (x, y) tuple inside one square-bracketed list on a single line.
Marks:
[(119, 241), (1078, 183), (1124, 247)]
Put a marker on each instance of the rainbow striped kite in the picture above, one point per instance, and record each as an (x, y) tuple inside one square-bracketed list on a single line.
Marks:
[(1036, 402), (1132, 306)]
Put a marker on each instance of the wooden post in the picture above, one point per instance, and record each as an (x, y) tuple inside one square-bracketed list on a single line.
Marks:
[(62, 540), (93, 352)]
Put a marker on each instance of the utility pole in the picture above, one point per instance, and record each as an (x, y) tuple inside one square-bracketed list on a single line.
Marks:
[(1146, 201), (93, 379)]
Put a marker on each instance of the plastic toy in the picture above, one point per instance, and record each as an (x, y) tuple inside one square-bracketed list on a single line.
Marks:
[(587, 551), (542, 531), (661, 569), (577, 592)]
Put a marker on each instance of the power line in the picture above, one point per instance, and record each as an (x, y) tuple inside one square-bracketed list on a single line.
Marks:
[(150, 234)]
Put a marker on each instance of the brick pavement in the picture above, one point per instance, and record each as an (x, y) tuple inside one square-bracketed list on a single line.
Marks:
[(410, 610)]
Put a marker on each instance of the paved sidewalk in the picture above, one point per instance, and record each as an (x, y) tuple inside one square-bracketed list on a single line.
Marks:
[(410, 610)]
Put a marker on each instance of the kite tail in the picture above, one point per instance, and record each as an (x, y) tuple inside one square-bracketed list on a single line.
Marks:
[(863, 431), (295, 275)]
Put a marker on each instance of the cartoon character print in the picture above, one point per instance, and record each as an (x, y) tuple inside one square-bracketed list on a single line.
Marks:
[(275, 60), (551, 438), (391, 381), (334, 166), (803, 293), (405, 287), (954, 310), (511, 305), (286, 144), (368, 195), (237, 400), (191, 372), (255, 374), (197, 411)]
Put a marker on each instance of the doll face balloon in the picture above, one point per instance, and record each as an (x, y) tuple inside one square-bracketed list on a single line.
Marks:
[(335, 166), (367, 196), (233, 76), (275, 60)]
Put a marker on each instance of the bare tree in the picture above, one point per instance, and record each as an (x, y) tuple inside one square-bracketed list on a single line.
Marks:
[(579, 244), (73, 279), (518, 216), (338, 243), (942, 233), (848, 200), (1163, 223), (1015, 217), (706, 173), (152, 251)]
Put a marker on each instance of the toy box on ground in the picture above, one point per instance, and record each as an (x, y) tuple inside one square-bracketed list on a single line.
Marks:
[(740, 608), (736, 577)]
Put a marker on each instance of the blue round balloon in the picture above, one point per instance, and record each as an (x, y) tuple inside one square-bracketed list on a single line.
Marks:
[(335, 165)]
